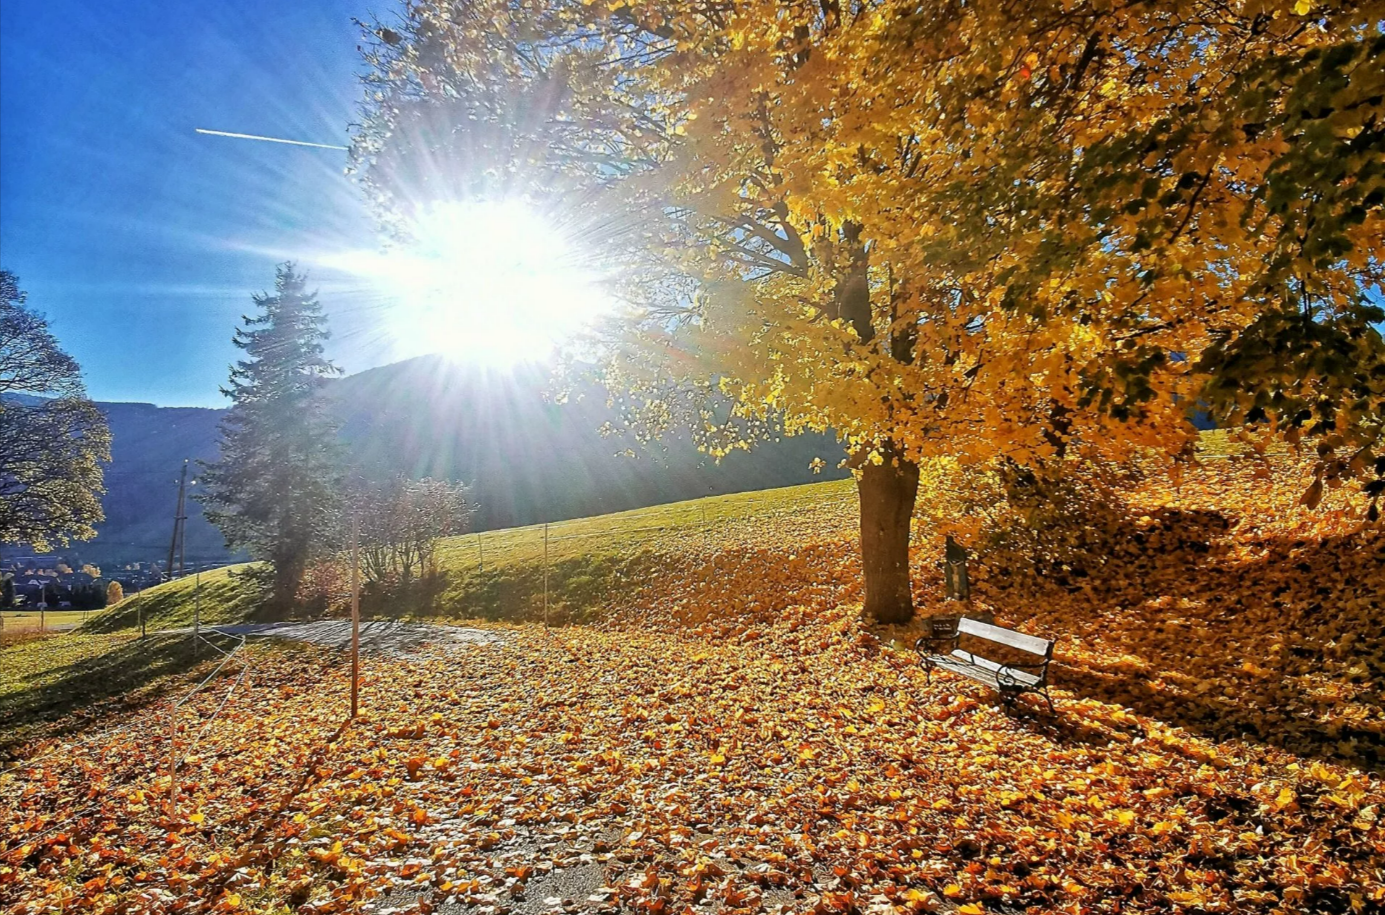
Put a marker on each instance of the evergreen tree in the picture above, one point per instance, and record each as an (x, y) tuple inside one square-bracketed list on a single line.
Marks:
[(272, 488)]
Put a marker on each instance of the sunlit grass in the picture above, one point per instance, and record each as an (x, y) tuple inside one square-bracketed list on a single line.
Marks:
[(172, 605), (27, 620)]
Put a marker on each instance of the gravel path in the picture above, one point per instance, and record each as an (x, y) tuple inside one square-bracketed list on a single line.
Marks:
[(389, 636)]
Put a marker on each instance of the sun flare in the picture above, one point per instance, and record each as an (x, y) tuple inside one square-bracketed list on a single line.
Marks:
[(492, 282)]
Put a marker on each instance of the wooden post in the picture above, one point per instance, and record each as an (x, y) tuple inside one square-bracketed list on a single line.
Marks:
[(956, 580), (173, 763), (355, 611), (480, 554), (545, 575)]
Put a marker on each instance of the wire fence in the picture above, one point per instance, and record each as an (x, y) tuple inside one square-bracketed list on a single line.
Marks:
[(237, 650)]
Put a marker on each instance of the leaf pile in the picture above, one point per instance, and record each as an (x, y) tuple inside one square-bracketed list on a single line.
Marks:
[(735, 740), (804, 766)]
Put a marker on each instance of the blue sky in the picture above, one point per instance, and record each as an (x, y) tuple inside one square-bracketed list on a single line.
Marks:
[(142, 240)]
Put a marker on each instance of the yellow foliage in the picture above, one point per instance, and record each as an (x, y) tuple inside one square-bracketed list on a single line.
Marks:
[(976, 231)]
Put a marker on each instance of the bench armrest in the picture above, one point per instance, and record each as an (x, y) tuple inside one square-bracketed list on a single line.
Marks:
[(1005, 676), (931, 640)]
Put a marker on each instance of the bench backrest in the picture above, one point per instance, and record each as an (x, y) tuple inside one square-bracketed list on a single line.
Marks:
[(1030, 643)]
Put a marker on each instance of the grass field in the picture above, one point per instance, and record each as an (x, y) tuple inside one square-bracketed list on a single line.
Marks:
[(24, 621), (592, 562)]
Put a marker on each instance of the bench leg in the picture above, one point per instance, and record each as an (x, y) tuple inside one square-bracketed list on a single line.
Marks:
[(1049, 700)]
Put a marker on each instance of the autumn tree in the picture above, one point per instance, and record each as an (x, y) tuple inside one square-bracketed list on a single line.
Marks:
[(1000, 232), (272, 489), (400, 522), (52, 437), (115, 593)]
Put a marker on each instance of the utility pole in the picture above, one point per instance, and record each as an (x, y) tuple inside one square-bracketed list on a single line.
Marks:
[(355, 609), (182, 531), (178, 520)]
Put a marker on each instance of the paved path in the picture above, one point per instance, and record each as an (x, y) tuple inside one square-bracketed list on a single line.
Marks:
[(381, 635)]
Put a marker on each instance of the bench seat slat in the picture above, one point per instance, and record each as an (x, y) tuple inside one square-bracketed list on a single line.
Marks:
[(1030, 643), (983, 669)]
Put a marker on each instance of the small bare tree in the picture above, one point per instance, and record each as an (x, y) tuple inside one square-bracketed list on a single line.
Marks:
[(401, 522)]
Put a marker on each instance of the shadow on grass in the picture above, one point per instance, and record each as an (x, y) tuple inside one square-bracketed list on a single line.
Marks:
[(232, 598), (55, 700), (580, 588)]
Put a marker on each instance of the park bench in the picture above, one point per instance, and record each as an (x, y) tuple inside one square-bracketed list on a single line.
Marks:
[(1009, 679)]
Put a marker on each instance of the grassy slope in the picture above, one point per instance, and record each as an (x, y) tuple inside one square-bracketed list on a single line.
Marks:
[(593, 562), (173, 604)]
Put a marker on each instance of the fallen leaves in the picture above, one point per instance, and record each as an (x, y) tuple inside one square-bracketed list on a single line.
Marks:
[(692, 768)]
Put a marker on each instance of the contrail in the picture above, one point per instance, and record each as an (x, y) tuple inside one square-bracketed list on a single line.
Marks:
[(251, 136)]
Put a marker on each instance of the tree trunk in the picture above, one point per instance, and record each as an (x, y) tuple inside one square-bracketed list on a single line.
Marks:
[(288, 575), (887, 503)]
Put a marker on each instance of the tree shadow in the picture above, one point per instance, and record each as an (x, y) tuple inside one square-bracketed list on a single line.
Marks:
[(231, 598), (69, 699), (1275, 640)]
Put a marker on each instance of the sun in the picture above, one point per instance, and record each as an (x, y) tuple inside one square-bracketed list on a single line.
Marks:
[(489, 282)]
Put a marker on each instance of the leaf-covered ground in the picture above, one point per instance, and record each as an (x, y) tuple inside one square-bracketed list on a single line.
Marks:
[(733, 739)]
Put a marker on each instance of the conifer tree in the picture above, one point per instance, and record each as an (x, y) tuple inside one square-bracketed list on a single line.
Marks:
[(272, 488)]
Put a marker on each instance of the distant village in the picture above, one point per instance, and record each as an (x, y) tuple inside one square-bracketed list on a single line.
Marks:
[(51, 582)]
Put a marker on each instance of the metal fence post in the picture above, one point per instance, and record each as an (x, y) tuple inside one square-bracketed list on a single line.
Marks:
[(197, 615)]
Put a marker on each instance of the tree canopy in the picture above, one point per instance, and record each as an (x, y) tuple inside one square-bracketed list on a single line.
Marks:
[(991, 231), (52, 438)]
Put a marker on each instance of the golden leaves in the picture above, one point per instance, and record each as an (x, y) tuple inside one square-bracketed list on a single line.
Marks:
[(735, 735)]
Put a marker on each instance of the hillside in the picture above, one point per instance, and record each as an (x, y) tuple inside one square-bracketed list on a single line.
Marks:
[(725, 731), (528, 459), (1293, 600)]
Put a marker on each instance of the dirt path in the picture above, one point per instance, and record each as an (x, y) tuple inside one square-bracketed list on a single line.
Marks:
[(389, 636)]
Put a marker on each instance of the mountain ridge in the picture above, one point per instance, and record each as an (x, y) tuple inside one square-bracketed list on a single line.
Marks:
[(527, 458)]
